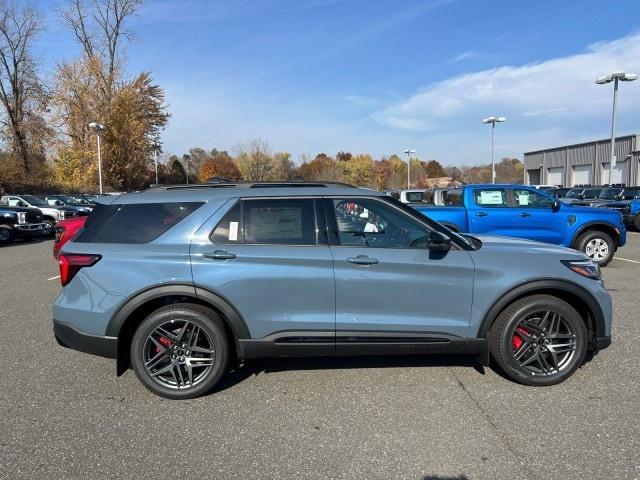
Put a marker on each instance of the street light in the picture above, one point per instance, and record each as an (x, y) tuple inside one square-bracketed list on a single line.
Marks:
[(493, 121), (96, 127), (614, 77), (408, 152), (156, 148)]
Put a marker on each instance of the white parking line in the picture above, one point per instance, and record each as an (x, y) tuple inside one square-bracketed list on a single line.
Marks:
[(626, 259), (58, 276)]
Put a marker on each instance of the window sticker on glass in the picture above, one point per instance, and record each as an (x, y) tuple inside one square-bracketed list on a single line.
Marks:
[(491, 197), (277, 222), (233, 231), (523, 199)]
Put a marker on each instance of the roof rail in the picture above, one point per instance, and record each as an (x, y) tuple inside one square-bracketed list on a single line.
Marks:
[(249, 184)]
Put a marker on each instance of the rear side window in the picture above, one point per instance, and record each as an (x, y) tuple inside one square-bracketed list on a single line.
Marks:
[(229, 229), (133, 223), (490, 198), (452, 197), (279, 222)]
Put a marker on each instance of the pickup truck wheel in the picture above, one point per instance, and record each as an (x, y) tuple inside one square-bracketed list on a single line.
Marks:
[(597, 245), (636, 222), (538, 340), (49, 228), (6, 234), (180, 351)]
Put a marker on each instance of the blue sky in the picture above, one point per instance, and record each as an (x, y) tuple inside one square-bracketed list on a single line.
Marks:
[(312, 76)]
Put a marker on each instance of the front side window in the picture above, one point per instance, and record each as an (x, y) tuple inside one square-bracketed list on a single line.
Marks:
[(530, 199), (492, 198), (365, 222), (279, 221)]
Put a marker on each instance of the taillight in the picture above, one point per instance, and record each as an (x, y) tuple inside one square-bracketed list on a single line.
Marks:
[(71, 263)]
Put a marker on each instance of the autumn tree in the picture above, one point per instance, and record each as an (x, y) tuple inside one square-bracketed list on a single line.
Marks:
[(218, 164), (254, 160), (21, 92), (322, 167)]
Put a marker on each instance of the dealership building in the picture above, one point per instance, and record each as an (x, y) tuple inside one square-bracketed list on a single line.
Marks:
[(585, 164)]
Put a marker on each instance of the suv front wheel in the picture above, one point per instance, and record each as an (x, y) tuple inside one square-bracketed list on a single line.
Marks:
[(180, 351), (539, 340)]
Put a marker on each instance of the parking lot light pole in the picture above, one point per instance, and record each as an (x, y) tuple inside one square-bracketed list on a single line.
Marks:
[(493, 121), (614, 77), (156, 147), (96, 127), (408, 152)]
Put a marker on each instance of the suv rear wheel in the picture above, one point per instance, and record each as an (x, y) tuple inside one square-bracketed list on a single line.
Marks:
[(180, 351), (538, 340), (597, 245)]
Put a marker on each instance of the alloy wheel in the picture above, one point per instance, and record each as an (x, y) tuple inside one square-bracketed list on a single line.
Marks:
[(597, 249), (178, 354), (543, 343)]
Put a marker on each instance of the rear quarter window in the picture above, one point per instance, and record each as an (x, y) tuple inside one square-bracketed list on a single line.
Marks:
[(133, 223)]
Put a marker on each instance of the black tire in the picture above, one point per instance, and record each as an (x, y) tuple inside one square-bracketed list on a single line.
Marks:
[(49, 227), (212, 329), (596, 237), (503, 351), (6, 234), (636, 222)]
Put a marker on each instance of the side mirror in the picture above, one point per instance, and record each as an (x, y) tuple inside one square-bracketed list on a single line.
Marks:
[(556, 205), (22, 204), (439, 241)]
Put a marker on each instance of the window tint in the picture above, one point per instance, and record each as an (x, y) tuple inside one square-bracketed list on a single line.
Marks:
[(229, 228), (372, 223), (531, 199), (133, 223), (490, 197), (452, 197), (279, 221)]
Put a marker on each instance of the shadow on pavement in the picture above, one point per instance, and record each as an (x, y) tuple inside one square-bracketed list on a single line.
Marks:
[(271, 365)]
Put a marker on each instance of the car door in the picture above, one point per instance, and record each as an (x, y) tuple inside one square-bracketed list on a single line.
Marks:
[(534, 218), (390, 287), (270, 260), (489, 211)]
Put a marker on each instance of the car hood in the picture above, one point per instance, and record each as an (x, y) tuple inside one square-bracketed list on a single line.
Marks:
[(600, 212), (505, 244)]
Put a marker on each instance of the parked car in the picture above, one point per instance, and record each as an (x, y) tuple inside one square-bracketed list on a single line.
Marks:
[(181, 282), (580, 194), (50, 213), (520, 211), (628, 206), (82, 206), (65, 230), (560, 192), (546, 188), (19, 222), (606, 195), (413, 196)]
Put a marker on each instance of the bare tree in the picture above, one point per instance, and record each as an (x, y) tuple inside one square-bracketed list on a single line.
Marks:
[(21, 92), (99, 27)]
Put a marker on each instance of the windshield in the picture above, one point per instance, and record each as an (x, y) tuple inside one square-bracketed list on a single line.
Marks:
[(63, 198), (592, 193), (34, 200), (631, 193), (610, 193), (573, 193)]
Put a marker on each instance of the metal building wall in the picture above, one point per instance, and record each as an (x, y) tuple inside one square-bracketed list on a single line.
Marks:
[(591, 153)]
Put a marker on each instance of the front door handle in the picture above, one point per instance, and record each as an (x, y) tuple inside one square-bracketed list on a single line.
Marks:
[(363, 260), (524, 214), (481, 214), (220, 255)]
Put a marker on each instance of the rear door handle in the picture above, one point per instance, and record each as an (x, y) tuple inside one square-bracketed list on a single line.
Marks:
[(220, 255), (363, 260), (481, 214), (524, 214)]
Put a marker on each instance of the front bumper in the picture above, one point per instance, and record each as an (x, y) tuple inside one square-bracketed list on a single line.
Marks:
[(70, 337), (30, 229)]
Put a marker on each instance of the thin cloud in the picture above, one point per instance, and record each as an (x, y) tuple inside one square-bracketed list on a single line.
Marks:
[(563, 84), (464, 56)]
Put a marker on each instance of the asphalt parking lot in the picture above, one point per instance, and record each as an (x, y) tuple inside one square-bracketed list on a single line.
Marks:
[(65, 414)]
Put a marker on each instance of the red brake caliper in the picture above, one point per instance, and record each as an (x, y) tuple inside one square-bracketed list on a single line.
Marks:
[(165, 343), (517, 341)]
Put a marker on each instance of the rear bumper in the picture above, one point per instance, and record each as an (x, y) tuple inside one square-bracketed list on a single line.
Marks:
[(70, 337)]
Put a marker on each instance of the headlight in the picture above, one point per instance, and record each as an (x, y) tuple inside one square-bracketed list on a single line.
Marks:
[(586, 268), (22, 217), (61, 214)]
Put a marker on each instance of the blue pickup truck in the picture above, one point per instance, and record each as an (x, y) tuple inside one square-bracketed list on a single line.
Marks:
[(521, 211), (628, 205)]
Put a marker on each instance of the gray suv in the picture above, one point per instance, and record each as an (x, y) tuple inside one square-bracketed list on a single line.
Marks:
[(178, 282)]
